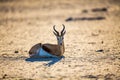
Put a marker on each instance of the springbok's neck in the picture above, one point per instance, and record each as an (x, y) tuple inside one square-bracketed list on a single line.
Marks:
[(61, 48)]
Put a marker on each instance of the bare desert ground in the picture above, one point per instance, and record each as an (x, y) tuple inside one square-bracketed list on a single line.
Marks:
[(92, 41)]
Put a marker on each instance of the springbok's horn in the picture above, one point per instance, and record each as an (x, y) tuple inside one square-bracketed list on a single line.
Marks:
[(63, 29), (55, 30)]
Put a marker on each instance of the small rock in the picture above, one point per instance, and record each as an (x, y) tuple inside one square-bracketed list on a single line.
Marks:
[(102, 42), (101, 50), (69, 19), (85, 11), (16, 52), (4, 76), (69, 65)]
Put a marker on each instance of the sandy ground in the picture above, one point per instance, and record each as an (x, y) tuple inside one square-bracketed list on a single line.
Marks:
[(92, 45)]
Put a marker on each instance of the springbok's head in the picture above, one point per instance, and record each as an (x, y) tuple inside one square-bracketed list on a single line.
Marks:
[(60, 36)]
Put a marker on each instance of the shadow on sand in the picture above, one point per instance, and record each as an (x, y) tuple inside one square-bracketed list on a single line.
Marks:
[(51, 60)]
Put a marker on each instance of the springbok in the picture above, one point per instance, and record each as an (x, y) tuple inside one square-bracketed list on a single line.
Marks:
[(50, 50)]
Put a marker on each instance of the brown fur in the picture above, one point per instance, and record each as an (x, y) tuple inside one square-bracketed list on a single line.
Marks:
[(34, 48), (53, 49)]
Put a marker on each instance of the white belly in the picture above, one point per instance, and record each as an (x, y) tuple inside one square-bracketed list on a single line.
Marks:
[(43, 53)]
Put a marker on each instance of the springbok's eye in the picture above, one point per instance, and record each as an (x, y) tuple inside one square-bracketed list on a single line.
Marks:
[(58, 38)]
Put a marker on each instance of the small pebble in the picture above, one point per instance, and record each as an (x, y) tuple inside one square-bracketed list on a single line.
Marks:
[(85, 11), (4, 76), (102, 42), (16, 52), (99, 50), (69, 19)]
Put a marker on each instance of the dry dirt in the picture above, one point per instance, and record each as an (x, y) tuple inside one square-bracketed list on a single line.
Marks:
[(92, 43)]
